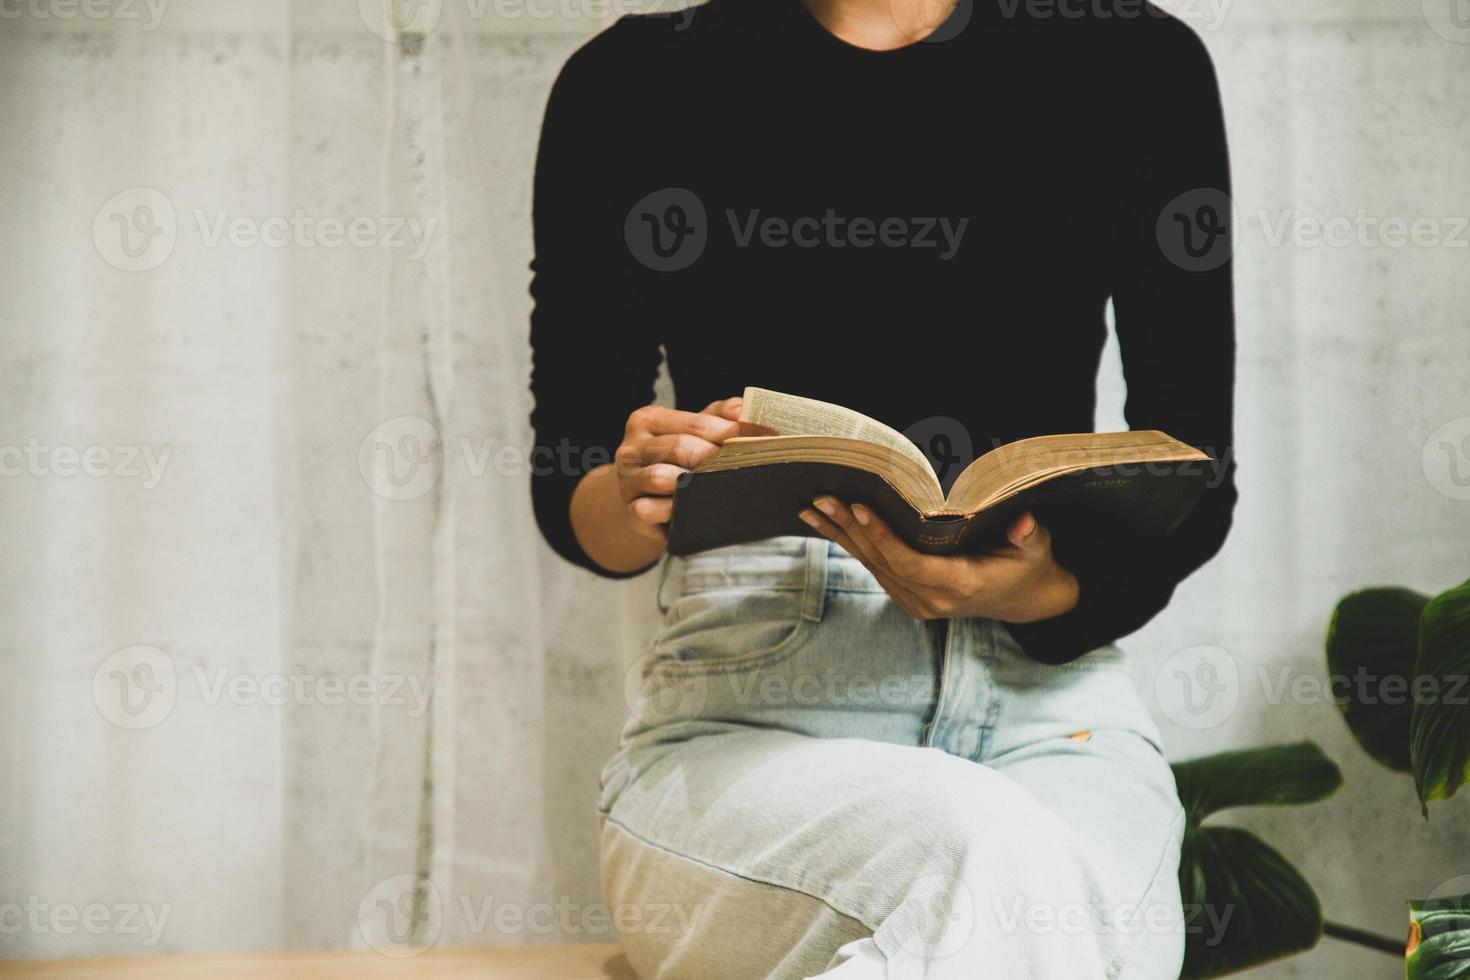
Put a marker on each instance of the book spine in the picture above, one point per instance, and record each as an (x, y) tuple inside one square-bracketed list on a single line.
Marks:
[(939, 537)]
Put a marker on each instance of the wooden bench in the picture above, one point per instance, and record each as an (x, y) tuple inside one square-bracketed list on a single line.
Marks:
[(574, 962)]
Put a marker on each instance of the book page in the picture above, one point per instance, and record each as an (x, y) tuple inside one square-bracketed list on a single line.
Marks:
[(1007, 470), (792, 415)]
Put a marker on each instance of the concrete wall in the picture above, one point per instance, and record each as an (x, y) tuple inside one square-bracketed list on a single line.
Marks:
[(261, 552)]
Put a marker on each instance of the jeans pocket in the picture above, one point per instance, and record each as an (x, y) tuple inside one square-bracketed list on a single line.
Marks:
[(742, 608)]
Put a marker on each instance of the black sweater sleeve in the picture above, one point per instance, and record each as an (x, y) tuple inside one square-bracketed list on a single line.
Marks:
[(594, 340), (1174, 313)]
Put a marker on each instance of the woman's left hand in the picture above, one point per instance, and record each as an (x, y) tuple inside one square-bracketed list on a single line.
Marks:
[(1019, 582)]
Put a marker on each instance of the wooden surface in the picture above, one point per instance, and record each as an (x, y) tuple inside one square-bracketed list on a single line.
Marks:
[(575, 962)]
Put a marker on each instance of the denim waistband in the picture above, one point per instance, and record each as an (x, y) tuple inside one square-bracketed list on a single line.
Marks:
[(785, 563)]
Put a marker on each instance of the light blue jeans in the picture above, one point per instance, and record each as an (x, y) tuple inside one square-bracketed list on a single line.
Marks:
[(812, 783)]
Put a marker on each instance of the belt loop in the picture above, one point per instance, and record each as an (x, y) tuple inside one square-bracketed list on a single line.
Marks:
[(663, 579), (814, 596)]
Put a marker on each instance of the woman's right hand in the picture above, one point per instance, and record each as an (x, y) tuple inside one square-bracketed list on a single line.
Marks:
[(659, 446)]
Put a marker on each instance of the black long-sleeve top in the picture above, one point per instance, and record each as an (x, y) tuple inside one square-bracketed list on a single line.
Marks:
[(951, 219)]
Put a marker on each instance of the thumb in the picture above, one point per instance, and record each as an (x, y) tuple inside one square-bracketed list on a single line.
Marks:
[(1025, 531)]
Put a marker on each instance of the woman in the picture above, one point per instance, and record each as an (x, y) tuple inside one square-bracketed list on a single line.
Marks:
[(845, 758)]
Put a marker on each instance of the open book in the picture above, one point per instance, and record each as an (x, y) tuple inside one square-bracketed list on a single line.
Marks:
[(754, 486)]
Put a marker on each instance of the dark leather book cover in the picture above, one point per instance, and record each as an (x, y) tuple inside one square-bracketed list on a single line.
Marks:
[(724, 507)]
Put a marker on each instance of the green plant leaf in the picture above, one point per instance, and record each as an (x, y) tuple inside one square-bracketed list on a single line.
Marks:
[(1439, 729), (1439, 939), (1274, 775), (1372, 647), (1244, 903)]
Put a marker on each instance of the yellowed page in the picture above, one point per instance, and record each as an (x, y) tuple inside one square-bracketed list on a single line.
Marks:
[(792, 415), (1007, 470)]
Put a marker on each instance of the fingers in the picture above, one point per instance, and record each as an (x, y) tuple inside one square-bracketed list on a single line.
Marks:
[(842, 516), (683, 450), (650, 515), (659, 480), (650, 500), (905, 597), (874, 535), (655, 420), (728, 408)]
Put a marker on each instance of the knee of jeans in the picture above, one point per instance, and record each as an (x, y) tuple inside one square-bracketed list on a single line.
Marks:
[(1007, 846), (998, 863)]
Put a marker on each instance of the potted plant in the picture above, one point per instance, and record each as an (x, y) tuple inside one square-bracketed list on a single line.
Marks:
[(1405, 658)]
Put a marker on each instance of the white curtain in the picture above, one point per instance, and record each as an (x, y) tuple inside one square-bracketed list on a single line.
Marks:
[(287, 664), (281, 253)]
